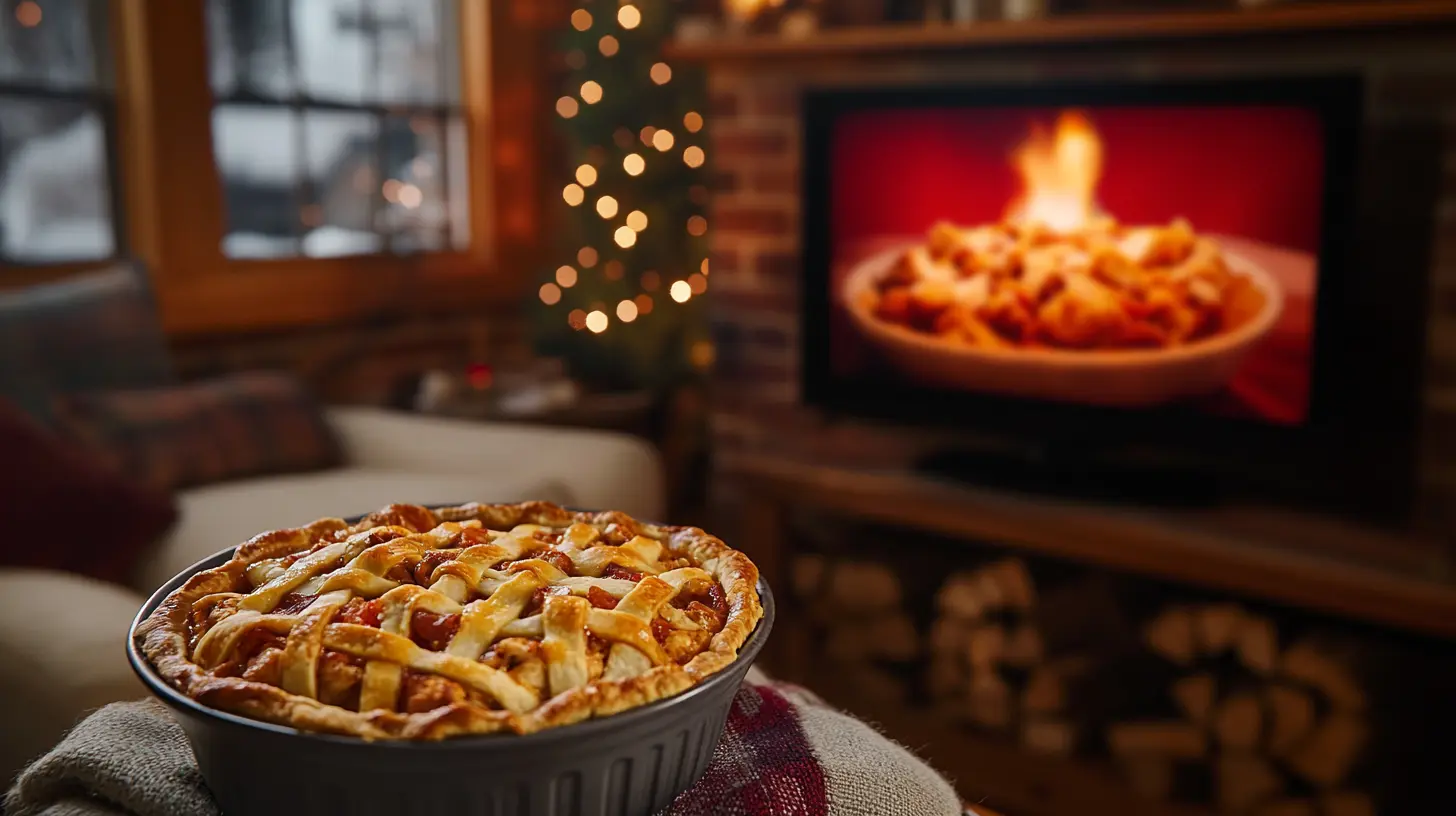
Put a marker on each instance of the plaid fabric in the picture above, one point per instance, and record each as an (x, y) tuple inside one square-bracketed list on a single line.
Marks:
[(783, 753), (205, 432), (95, 331)]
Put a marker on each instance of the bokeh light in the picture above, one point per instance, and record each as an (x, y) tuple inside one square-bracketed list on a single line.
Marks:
[(591, 92), (566, 276), (693, 121), (625, 237), (550, 294), (607, 207), (626, 311), (637, 220), (573, 194), (693, 156), (586, 257), (577, 319), (597, 322), (581, 19), (680, 291), (629, 17), (608, 45), (697, 225), (634, 164), (567, 107), (586, 175), (661, 73), (662, 140), (698, 284)]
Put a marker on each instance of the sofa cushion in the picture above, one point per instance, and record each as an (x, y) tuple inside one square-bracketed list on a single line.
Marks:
[(204, 432), (61, 655), (220, 516), (94, 331), (63, 509)]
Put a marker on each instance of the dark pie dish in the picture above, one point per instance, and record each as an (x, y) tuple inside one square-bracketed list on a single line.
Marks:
[(635, 761)]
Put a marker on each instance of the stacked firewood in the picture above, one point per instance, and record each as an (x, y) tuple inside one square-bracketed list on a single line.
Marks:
[(1270, 730), (989, 664), (857, 611)]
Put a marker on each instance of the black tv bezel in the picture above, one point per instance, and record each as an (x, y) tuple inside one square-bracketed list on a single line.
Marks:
[(1300, 461)]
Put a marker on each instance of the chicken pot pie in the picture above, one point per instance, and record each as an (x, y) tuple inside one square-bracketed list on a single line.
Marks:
[(1103, 286), (424, 624)]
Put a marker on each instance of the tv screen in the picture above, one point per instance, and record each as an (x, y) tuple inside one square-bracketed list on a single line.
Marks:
[(1108, 253)]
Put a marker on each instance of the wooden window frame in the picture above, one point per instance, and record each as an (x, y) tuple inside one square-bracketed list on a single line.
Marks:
[(172, 201)]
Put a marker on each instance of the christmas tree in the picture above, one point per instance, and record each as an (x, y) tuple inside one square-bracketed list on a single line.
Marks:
[(622, 304)]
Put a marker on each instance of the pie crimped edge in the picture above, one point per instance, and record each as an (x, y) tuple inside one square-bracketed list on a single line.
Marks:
[(163, 636)]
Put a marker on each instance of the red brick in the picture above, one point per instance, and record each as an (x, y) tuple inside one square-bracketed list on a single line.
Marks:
[(779, 101), (778, 265), (723, 181), (723, 104), (774, 181), (761, 220), (729, 144), (723, 262), (763, 299)]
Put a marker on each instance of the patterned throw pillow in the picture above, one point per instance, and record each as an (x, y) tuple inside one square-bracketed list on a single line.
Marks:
[(204, 432), (96, 521)]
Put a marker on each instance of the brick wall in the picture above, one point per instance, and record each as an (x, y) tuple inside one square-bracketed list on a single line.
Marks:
[(756, 212)]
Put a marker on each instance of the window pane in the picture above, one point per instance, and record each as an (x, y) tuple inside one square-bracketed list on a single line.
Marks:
[(249, 52), (416, 61), (458, 183), (416, 214), (58, 43), (257, 156), (343, 184), (55, 199)]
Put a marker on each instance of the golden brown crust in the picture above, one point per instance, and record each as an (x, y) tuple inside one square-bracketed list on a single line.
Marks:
[(170, 635)]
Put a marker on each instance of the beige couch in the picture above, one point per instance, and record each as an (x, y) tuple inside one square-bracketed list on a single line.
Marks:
[(62, 636)]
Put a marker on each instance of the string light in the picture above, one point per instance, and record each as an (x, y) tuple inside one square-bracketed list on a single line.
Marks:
[(586, 257), (629, 17), (577, 319), (633, 164), (644, 304), (573, 194), (550, 294), (625, 237), (581, 19), (608, 45), (651, 280), (626, 311), (606, 206), (680, 291), (586, 175), (591, 92), (637, 220), (566, 276), (693, 121), (646, 135), (597, 321), (697, 225), (698, 284), (693, 156), (662, 140), (661, 73), (566, 107)]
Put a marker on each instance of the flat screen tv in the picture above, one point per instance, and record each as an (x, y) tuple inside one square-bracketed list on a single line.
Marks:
[(1170, 274)]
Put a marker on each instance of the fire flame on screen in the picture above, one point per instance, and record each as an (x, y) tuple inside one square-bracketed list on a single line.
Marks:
[(1059, 170)]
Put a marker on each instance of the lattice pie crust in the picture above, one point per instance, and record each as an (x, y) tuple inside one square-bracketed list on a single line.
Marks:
[(425, 624)]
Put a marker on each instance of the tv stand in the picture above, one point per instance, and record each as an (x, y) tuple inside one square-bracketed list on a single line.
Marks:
[(1072, 473)]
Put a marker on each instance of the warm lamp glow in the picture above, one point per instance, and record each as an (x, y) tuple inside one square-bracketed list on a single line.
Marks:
[(698, 284), (606, 206), (693, 156), (577, 319), (566, 276), (28, 14), (637, 220), (633, 164), (625, 237), (550, 294), (597, 322), (661, 73), (629, 17), (591, 92), (662, 140), (680, 291), (573, 194), (566, 107), (697, 225), (586, 257), (581, 19), (608, 45), (626, 311), (587, 175), (693, 121), (1059, 173)]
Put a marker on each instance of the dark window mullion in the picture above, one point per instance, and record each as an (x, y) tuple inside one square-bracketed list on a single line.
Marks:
[(120, 247), (302, 180)]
